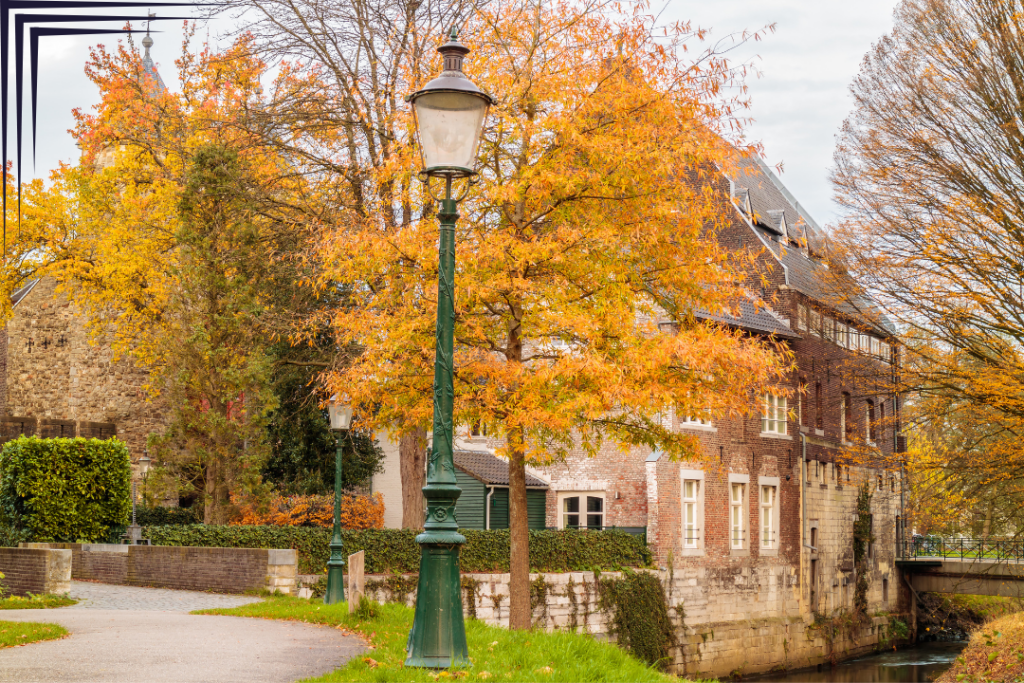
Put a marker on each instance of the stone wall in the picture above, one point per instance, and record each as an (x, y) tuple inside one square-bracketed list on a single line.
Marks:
[(744, 621), (222, 570), (35, 570), (56, 371)]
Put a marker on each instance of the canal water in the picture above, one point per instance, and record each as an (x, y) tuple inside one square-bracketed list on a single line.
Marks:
[(919, 664)]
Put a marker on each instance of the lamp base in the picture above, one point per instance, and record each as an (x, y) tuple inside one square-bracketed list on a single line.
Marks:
[(438, 636), (335, 592)]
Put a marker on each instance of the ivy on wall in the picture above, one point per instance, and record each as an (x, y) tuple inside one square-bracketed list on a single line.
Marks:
[(639, 615), (396, 550), (65, 490), (862, 539)]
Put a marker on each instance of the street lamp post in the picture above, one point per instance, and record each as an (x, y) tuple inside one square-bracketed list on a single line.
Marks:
[(341, 419), (133, 534), (450, 113)]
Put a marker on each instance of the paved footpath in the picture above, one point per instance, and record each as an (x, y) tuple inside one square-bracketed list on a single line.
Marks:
[(123, 634)]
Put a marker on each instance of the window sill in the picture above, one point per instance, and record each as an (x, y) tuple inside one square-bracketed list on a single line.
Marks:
[(769, 552), (819, 432), (710, 429), (773, 435), (805, 430), (691, 552), (739, 552)]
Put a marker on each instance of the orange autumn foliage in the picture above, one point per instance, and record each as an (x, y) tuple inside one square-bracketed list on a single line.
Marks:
[(357, 512)]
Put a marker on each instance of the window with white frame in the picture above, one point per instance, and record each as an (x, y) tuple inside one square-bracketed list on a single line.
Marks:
[(581, 510), (814, 322), (842, 335), (768, 494), (700, 420), (801, 317), (737, 520), (775, 415), (691, 513)]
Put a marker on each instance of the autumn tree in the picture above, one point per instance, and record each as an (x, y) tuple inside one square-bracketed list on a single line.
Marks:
[(582, 256), (182, 235), (368, 54), (929, 170)]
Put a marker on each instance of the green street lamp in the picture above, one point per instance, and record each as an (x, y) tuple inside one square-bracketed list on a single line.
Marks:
[(450, 114), (341, 419)]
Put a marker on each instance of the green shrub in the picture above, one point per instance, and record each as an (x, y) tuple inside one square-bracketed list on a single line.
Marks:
[(396, 551), (160, 516), (64, 489)]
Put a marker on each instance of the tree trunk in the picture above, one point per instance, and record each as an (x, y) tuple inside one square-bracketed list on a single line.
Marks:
[(986, 529), (210, 490), (218, 497), (412, 459), (519, 610)]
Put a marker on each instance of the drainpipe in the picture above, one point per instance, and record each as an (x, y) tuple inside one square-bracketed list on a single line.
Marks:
[(803, 511), (487, 508)]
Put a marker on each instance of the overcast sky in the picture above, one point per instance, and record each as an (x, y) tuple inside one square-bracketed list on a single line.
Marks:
[(798, 104)]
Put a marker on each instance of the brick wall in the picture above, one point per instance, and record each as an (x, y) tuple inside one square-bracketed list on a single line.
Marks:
[(35, 570), (223, 570)]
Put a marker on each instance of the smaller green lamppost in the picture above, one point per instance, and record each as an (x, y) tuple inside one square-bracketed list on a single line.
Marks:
[(450, 113), (341, 419)]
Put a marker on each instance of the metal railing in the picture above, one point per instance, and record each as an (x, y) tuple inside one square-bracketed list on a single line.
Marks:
[(985, 549)]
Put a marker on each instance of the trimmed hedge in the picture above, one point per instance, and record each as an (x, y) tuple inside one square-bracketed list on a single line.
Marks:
[(396, 551), (64, 489), (159, 516)]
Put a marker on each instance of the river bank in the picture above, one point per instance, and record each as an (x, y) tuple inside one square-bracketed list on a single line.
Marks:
[(994, 654)]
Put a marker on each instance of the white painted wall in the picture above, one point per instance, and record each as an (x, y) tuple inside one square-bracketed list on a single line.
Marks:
[(389, 482)]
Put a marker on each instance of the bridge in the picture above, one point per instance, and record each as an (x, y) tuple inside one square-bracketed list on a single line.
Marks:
[(971, 566)]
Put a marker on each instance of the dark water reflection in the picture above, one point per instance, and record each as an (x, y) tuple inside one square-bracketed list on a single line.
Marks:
[(917, 665)]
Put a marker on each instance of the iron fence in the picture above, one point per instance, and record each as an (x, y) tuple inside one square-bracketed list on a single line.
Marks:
[(937, 547)]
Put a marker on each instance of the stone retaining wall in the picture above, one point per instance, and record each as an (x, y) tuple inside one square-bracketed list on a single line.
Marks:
[(223, 570), (755, 627), (35, 570)]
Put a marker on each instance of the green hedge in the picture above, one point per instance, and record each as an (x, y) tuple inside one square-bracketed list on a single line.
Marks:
[(64, 489), (395, 550), (159, 516)]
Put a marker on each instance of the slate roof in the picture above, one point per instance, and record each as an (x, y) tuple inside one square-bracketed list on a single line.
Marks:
[(752, 317), (490, 469), (19, 294), (806, 272)]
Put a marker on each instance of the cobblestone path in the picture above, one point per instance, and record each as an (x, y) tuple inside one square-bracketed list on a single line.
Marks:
[(123, 634), (107, 596)]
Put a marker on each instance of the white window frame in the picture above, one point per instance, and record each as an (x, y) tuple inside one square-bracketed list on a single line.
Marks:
[(775, 416), (739, 515), (698, 423), (582, 495), (770, 514), (814, 322), (843, 335), (801, 317), (691, 546)]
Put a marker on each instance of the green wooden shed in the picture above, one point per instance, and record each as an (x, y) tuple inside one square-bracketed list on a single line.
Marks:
[(483, 504)]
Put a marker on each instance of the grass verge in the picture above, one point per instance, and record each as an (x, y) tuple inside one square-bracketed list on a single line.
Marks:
[(496, 653), (15, 633), (994, 654), (30, 601)]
